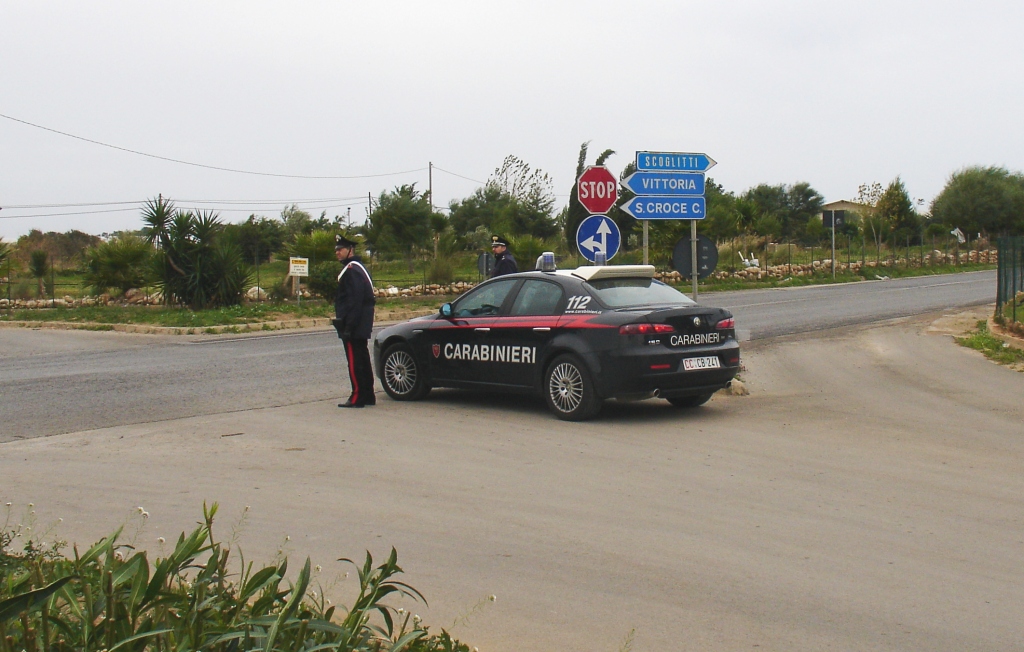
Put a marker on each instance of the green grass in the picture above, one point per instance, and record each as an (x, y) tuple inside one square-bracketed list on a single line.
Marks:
[(992, 347)]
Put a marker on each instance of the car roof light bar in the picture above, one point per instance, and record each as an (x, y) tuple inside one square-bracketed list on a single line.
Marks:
[(597, 272)]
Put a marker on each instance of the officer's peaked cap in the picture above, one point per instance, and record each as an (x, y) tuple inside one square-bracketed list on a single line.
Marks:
[(497, 240), (341, 241)]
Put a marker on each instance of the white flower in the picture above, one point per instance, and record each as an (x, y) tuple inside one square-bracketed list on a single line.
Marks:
[(140, 510), (31, 505), (145, 515), (60, 520), (401, 611), (492, 598), (247, 508), (312, 594), (416, 620), (319, 568), (8, 504), (161, 540), (287, 538)]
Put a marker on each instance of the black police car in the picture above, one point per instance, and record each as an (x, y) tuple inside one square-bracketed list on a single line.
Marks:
[(575, 336)]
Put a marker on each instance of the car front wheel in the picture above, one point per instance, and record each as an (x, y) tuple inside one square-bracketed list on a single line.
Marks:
[(569, 389), (403, 377)]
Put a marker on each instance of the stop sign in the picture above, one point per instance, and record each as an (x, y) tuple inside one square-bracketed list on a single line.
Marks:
[(597, 189)]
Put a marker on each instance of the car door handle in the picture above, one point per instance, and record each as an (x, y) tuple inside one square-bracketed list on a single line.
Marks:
[(482, 330), (417, 330), (542, 329)]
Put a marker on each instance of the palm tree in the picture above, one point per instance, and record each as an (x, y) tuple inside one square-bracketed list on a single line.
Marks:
[(39, 267)]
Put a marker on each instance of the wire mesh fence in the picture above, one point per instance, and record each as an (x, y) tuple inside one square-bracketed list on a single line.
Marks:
[(1010, 279)]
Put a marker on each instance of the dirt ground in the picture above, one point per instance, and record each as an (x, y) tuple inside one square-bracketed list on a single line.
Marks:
[(867, 494)]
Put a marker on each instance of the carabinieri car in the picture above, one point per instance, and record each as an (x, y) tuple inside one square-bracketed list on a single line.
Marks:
[(576, 337)]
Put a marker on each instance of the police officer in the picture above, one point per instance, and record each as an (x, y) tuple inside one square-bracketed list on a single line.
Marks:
[(353, 311), (504, 263)]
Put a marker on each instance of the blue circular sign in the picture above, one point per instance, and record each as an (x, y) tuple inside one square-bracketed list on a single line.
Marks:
[(598, 234)]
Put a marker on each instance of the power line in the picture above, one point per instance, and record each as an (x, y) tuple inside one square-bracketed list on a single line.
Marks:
[(194, 201), (247, 209), (459, 176), (209, 167)]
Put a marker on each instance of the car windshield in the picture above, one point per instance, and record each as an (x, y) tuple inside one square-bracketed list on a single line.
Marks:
[(629, 292)]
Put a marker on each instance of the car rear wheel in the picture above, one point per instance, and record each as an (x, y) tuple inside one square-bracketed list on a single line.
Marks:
[(569, 389), (403, 377), (690, 401)]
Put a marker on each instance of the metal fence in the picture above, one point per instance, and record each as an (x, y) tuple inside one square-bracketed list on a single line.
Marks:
[(1010, 279)]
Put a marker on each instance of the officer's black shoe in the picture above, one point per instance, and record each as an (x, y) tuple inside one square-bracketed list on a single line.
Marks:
[(350, 404), (370, 401)]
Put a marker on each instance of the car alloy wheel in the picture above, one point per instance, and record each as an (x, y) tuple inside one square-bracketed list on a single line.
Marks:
[(403, 380), (569, 390)]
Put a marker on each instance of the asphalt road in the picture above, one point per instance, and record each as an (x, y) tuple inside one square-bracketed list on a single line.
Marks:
[(54, 382)]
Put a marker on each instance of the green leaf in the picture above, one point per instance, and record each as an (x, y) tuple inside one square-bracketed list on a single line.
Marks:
[(128, 569), (138, 637), (407, 640), (100, 545), (12, 607), (294, 600)]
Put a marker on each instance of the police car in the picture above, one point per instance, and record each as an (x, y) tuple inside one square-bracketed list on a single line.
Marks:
[(576, 337)]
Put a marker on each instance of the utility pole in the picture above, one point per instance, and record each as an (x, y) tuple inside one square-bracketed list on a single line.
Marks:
[(430, 184)]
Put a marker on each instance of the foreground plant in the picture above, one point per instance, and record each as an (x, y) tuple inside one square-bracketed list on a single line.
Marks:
[(113, 598)]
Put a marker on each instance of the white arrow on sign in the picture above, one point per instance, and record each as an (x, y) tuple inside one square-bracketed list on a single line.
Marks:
[(593, 245)]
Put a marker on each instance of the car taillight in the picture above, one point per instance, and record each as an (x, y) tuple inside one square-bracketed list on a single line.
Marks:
[(646, 329), (726, 323)]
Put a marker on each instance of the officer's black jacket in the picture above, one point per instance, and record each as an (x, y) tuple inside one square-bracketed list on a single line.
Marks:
[(504, 263), (353, 304)]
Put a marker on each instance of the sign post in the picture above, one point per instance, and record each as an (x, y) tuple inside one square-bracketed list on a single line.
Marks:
[(297, 267), (669, 186)]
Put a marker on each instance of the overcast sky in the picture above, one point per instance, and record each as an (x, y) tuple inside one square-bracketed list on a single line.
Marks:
[(833, 93)]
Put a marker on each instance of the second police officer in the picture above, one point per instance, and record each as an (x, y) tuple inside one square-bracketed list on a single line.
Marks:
[(504, 263)]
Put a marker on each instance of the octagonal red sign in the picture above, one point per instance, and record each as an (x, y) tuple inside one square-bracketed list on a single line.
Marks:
[(597, 189)]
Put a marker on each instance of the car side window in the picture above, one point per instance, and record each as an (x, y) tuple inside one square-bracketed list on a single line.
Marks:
[(537, 298), (485, 300)]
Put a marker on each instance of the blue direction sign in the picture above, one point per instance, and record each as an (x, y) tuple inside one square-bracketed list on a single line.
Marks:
[(598, 233), (674, 162), (665, 183), (666, 207)]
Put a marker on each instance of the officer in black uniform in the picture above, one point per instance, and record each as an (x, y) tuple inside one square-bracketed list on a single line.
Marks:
[(353, 311), (504, 263)]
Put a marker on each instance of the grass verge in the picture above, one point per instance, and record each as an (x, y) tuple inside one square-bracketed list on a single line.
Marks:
[(993, 348)]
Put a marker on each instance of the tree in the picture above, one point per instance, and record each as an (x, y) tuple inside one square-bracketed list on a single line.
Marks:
[(39, 267), (400, 223), (516, 200), (868, 196), (123, 263), (793, 206), (575, 213), (982, 200), (896, 209), (296, 221), (5, 251), (263, 235), (194, 266)]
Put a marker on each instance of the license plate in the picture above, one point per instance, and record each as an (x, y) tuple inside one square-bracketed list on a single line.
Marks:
[(696, 364)]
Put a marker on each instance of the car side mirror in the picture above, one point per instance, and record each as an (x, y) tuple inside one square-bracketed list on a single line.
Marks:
[(446, 310)]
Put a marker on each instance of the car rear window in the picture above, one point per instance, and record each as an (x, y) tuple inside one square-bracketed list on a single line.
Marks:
[(629, 292)]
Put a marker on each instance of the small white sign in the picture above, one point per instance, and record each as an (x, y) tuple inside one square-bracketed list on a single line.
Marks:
[(298, 266)]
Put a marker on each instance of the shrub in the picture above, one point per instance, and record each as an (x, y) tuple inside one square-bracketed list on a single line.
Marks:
[(441, 271), (323, 279), (122, 263), (192, 264), (39, 267), (113, 597)]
